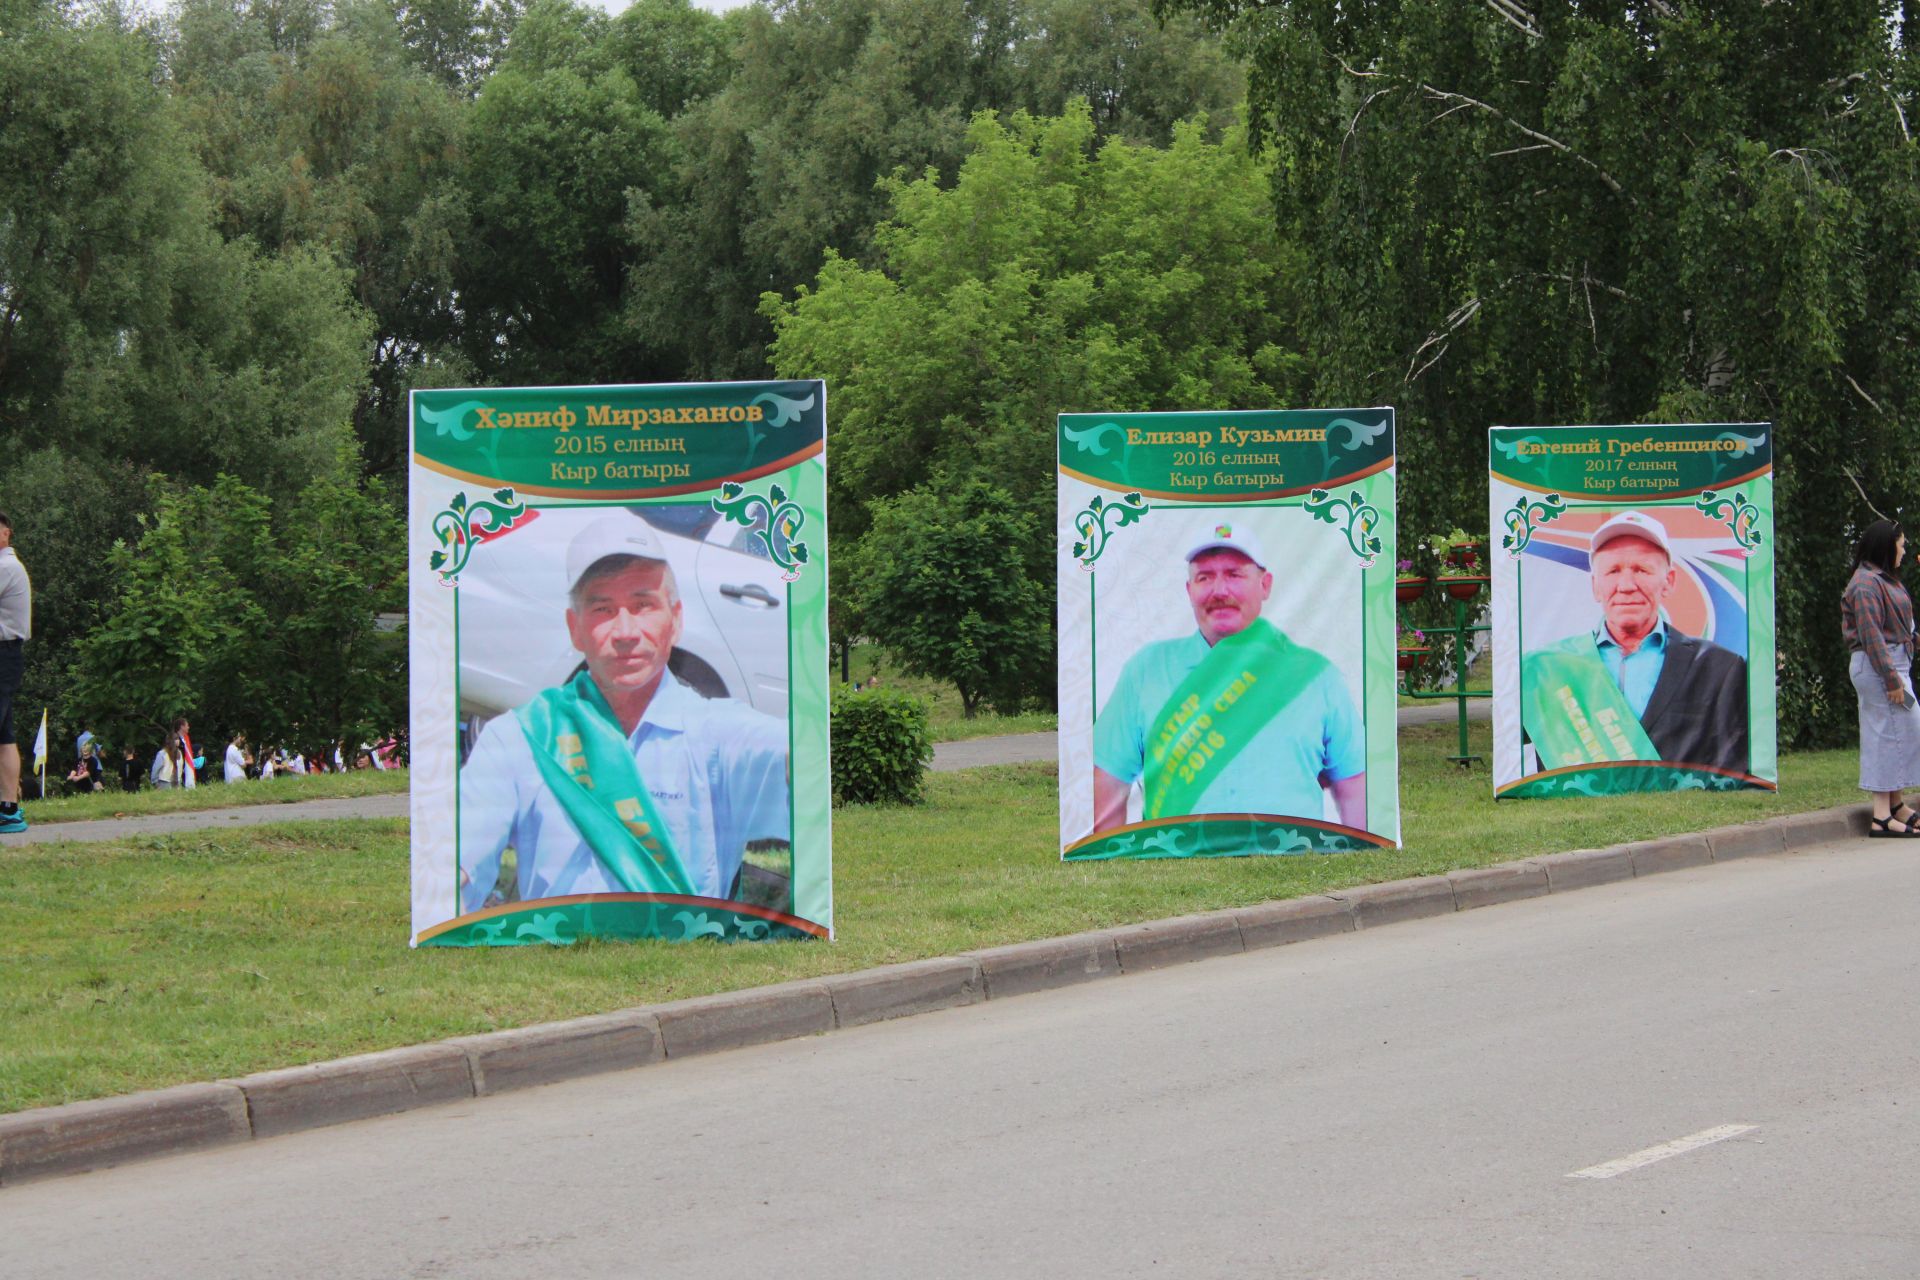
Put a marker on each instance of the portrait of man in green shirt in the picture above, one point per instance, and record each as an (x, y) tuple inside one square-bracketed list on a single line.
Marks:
[(1234, 717)]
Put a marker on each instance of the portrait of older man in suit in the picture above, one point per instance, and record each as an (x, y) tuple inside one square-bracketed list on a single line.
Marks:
[(1635, 687)]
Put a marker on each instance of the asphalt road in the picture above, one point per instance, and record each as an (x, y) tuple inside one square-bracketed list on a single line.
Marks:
[(1406, 1102)]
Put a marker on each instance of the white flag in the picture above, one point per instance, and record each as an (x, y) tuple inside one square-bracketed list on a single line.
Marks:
[(40, 745)]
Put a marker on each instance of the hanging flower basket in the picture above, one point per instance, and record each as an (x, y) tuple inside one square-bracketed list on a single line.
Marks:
[(1409, 587), (1464, 587), (1464, 554), (1408, 659)]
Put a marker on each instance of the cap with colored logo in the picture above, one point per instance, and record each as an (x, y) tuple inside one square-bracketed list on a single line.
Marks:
[(615, 535), (1631, 524), (1221, 535)]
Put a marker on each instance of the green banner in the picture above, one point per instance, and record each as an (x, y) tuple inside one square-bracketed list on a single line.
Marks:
[(618, 631), (1633, 633), (1630, 463), (1225, 457), (1572, 710), (1239, 687), (618, 442), (1227, 633)]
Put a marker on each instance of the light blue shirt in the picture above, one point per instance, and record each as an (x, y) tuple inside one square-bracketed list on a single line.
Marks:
[(717, 772), (1636, 673), (1316, 736)]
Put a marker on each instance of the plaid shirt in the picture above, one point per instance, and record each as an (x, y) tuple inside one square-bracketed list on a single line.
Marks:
[(1876, 614)]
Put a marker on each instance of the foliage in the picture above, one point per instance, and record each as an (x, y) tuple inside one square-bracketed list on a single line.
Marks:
[(950, 584), (1597, 212), (1139, 75), (129, 329), (785, 163), (186, 632), (1049, 276), (947, 719), (881, 747), (241, 623), (67, 510), (561, 136), (331, 139)]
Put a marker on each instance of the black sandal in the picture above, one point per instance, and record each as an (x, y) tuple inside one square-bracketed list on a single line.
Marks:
[(1881, 828)]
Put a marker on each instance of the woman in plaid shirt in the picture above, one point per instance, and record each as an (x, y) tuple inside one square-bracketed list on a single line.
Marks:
[(1877, 616)]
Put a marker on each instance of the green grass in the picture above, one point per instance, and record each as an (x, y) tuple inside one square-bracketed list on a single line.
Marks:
[(946, 717), (153, 961), (135, 804)]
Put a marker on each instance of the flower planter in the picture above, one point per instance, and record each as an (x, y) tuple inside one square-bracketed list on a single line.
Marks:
[(1408, 659), (1463, 553), (1408, 588), (1462, 587)]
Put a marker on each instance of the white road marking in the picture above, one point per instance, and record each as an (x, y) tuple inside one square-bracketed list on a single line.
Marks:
[(1666, 1150)]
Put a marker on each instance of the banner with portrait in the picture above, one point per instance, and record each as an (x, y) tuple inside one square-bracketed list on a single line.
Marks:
[(1633, 641), (1227, 638), (618, 636)]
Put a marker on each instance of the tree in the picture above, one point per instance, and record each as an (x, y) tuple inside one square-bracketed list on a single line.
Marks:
[(185, 633), (945, 583), (828, 98), (134, 337), (1140, 76), (241, 621), (68, 510), (94, 195), (559, 136), (1601, 212), (334, 144), (341, 564), (1047, 278)]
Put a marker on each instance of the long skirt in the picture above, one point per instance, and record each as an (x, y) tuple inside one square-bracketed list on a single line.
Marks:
[(1889, 735)]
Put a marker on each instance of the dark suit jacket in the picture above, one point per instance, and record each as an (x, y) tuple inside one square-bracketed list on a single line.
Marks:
[(1698, 711)]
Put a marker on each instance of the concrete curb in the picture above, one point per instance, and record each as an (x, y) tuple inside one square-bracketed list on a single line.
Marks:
[(91, 1135), (901, 990), (356, 1088), (1160, 943), (1397, 900), (555, 1051)]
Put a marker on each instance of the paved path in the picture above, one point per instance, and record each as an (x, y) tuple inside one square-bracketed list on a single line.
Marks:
[(387, 806), (1010, 748), (1013, 748), (1405, 1102)]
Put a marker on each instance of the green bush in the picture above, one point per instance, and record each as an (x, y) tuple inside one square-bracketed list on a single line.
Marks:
[(881, 747)]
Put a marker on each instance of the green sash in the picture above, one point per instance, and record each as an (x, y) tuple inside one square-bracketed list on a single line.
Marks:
[(584, 758), (1574, 712), (1245, 680)]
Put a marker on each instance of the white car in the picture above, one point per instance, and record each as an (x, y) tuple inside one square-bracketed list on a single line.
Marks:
[(513, 600)]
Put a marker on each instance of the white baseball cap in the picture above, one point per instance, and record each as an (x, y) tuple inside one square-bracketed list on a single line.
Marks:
[(1226, 535), (1631, 524), (623, 534)]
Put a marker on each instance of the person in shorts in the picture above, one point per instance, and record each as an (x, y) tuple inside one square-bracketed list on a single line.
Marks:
[(16, 627)]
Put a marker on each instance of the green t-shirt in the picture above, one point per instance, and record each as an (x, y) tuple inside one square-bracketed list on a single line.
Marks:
[(1316, 737)]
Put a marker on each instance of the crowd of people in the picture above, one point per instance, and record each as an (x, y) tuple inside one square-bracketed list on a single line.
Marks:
[(178, 763)]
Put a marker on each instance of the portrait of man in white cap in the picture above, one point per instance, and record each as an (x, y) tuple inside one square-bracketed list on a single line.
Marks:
[(1233, 717), (622, 779), (1635, 687)]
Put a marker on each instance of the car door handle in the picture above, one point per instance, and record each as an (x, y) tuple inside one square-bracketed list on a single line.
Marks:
[(752, 591)]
